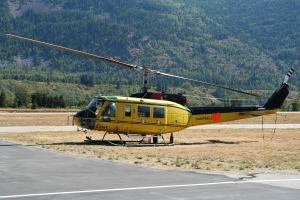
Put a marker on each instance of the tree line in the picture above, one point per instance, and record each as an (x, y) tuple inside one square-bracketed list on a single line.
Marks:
[(49, 95), (35, 100)]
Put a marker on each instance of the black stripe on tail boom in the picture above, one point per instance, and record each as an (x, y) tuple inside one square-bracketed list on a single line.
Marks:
[(210, 110)]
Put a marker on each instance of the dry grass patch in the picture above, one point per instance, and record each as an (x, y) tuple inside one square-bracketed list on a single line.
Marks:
[(218, 150), (34, 120)]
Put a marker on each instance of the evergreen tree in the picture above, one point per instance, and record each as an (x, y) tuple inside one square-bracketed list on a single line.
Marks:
[(61, 102), (22, 98), (87, 79), (33, 101), (3, 99), (285, 107), (118, 86), (187, 86), (296, 105)]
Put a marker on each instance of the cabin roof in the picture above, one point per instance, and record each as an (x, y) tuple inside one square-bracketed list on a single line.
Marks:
[(144, 101)]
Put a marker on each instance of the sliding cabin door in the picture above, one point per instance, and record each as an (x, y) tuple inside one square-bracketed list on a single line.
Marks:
[(127, 113), (159, 115)]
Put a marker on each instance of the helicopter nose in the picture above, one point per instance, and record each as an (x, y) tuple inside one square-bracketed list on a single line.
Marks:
[(85, 119), (86, 113)]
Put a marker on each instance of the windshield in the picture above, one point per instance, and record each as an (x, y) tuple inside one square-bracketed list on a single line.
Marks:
[(95, 104)]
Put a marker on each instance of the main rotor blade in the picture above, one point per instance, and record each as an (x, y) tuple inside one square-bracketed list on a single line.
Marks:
[(205, 83), (126, 65), (81, 53)]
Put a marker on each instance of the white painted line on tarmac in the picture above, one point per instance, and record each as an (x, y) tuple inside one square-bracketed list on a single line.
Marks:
[(37, 113), (143, 188), (247, 126), (30, 129), (291, 112)]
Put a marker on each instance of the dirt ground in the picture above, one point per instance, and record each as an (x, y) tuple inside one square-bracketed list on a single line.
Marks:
[(251, 150), (196, 150)]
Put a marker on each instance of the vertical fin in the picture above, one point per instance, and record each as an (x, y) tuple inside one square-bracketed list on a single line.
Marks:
[(278, 97)]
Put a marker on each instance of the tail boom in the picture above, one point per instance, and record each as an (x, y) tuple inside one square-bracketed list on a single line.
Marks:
[(202, 116)]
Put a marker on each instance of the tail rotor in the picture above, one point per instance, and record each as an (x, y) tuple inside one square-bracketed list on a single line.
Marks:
[(288, 75)]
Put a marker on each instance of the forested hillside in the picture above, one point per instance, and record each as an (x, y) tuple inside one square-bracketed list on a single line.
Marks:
[(271, 25), (238, 43)]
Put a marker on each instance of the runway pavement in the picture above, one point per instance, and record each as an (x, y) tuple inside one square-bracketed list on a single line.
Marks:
[(247, 126), (29, 172)]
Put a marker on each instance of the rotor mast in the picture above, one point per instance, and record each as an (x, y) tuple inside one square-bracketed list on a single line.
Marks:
[(145, 81)]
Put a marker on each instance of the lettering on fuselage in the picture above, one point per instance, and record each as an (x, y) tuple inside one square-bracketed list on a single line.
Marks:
[(215, 117), (203, 118), (101, 127)]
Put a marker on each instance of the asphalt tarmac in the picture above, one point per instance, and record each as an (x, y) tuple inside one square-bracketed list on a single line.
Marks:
[(29, 172)]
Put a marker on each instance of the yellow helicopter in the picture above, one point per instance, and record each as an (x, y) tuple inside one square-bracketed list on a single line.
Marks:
[(154, 114)]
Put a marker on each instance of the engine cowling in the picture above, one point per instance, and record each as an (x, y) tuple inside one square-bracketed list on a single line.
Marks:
[(177, 98)]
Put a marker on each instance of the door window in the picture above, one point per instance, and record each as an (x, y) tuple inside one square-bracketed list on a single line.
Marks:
[(110, 110), (127, 110), (158, 112), (143, 111)]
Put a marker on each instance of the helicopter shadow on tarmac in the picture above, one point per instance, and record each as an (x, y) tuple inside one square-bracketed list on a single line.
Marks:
[(15, 145), (216, 142), (131, 143)]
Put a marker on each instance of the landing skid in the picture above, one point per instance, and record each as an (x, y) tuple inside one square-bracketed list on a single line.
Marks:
[(140, 140)]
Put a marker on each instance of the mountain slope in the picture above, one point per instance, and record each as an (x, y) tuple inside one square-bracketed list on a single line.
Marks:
[(217, 41), (271, 25)]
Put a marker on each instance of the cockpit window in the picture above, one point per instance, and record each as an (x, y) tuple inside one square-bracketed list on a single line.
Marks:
[(95, 104), (110, 110)]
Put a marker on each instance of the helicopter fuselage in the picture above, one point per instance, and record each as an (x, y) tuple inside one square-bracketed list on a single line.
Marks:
[(134, 116), (129, 115)]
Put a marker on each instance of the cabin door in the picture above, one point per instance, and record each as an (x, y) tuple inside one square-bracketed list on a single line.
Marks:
[(127, 113)]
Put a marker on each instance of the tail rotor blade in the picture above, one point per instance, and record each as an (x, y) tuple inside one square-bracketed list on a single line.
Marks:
[(288, 75)]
